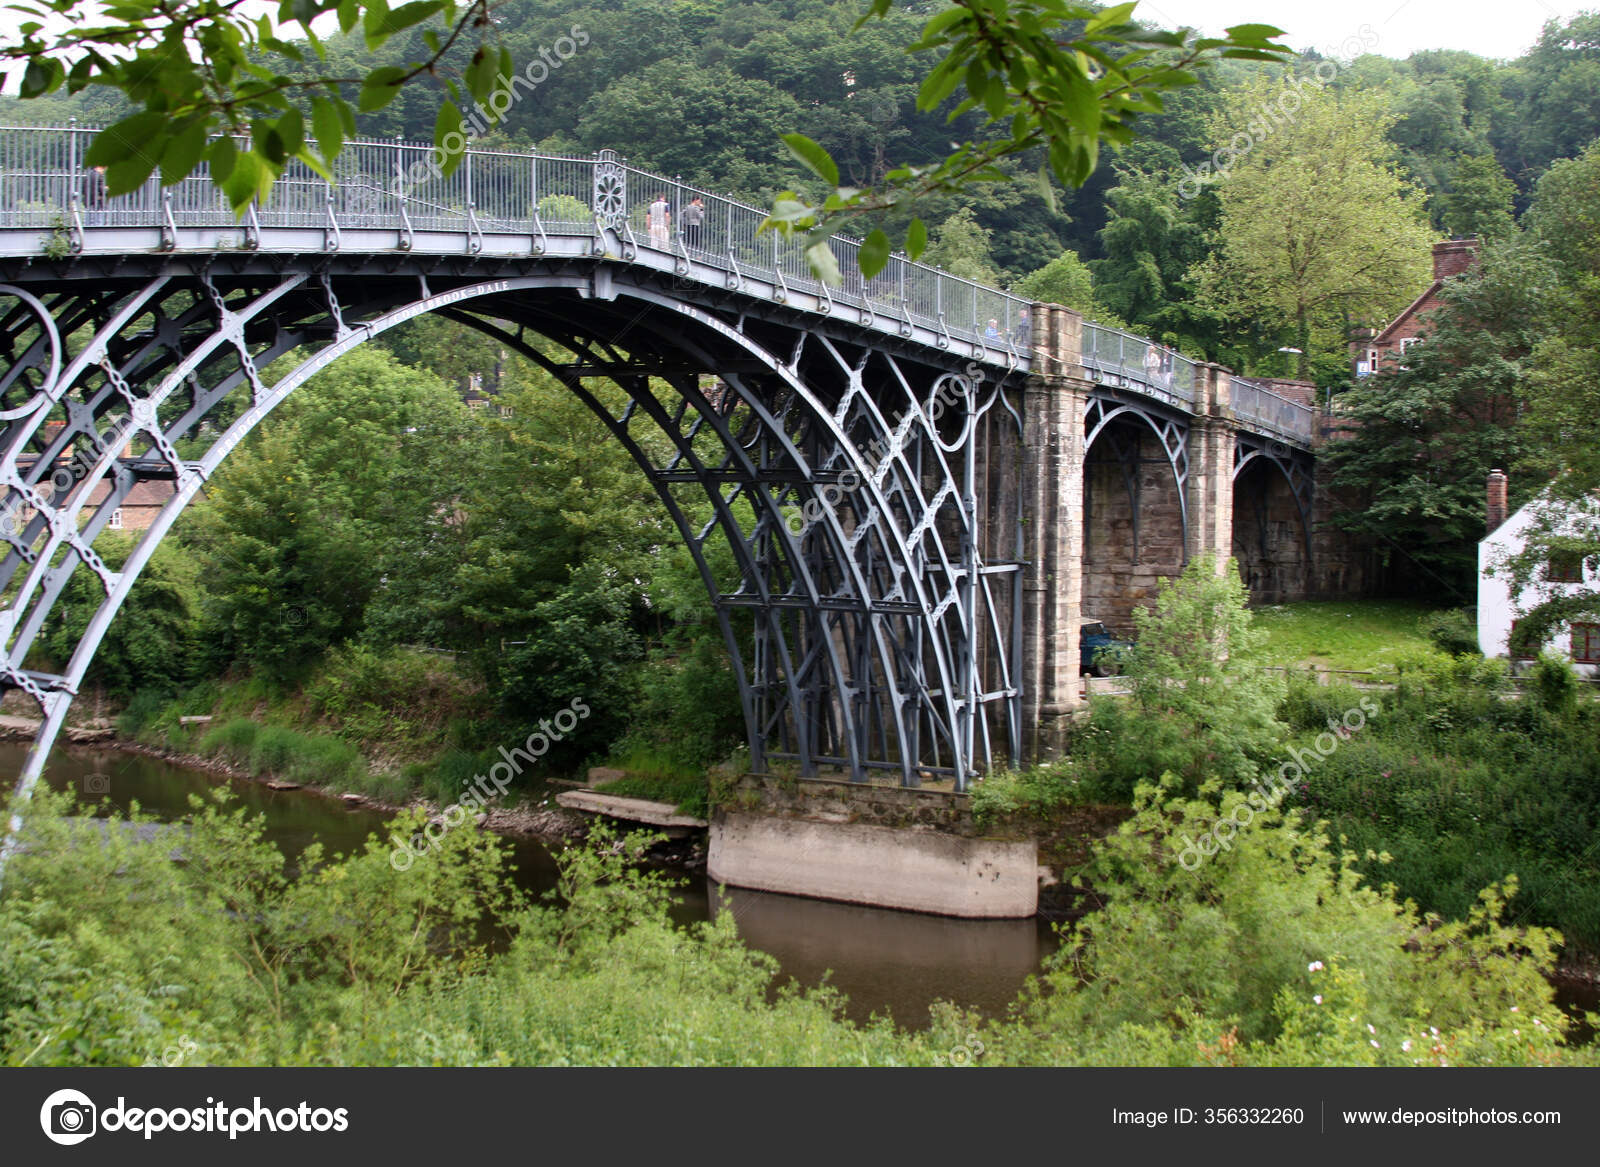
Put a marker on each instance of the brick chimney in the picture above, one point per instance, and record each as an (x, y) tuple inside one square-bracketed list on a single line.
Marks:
[(1454, 256), (1496, 500)]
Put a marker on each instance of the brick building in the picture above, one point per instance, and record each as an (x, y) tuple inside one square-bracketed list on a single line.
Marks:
[(1376, 352)]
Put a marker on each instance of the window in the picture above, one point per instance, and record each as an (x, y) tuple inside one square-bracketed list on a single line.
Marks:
[(1564, 569), (1586, 644), (1408, 341), (474, 403), (116, 520), (505, 411)]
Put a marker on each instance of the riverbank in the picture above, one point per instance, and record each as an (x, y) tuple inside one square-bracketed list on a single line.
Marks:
[(521, 820)]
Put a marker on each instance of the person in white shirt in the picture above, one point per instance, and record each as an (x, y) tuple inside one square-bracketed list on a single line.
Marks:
[(660, 222)]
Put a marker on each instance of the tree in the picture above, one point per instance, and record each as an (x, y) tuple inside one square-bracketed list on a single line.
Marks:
[(156, 640), (1317, 229), (1051, 75), (1563, 400), (1480, 199), (1425, 435), (202, 67), (294, 535), (1066, 280), (1202, 708), (962, 248), (1035, 87)]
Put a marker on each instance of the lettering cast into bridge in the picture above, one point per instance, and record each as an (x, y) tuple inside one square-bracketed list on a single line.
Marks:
[(953, 443)]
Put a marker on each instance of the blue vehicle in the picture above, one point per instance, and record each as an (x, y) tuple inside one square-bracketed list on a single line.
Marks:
[(1100, 653)]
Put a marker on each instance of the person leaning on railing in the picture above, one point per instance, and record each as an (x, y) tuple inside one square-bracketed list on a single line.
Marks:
[(94, 196), (690, 219)]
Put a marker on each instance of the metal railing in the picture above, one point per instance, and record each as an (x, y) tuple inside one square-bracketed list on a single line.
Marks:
[(1137, 358), (1272, 412), (395, 185)]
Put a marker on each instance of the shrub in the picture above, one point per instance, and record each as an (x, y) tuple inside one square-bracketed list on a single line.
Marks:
[(233, 740), (390, 696), (1202, 706), (1454, 630), (1554, 683)]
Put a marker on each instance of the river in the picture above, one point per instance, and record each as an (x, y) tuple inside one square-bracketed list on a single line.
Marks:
[(890, 962)]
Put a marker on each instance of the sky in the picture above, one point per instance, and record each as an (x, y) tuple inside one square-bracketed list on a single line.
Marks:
[(1490, 28)]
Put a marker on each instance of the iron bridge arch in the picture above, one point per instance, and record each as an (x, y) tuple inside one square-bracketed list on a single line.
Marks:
[(883, 605)]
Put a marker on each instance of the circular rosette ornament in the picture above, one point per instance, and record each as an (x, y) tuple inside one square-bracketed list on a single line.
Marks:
[(33, 362)]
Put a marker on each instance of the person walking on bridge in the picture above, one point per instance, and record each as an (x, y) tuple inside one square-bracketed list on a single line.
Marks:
[(660, 222)]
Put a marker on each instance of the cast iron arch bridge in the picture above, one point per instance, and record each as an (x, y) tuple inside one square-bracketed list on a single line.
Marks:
[(855, 452)]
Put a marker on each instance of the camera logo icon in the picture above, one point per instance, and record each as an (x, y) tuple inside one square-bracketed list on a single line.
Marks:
[(68, 1117)]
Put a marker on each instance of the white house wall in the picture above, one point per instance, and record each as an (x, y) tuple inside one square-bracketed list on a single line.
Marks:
[(1497, 607)]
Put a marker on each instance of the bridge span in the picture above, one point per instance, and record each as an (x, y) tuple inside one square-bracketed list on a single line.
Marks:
[(922, 485)]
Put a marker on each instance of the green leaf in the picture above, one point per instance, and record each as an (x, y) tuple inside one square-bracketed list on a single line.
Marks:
[(816, 159), (372, 23), (183, 153), (448, 121), (224, 154), (128, 174), (823, 263), (327, 127), (380, 88), (128, 138), (874, 253), (1110, 17), (292, 131), (41, 76), (251, 178), (349, 14), (916, 238), (1254, 32), (939, 84), (408, 14)]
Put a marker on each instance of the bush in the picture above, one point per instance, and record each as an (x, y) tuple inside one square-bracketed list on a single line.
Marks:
[(690, 715), (1454, 630), (1032, 793), (1554, 683), (1202, 705), (1310, 706), (143, 709), (391, 696)]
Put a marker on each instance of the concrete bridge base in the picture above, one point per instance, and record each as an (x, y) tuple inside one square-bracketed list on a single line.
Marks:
[(887, 847)]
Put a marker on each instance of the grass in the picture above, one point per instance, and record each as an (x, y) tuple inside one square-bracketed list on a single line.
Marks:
[(691, 794), (1338, 634)]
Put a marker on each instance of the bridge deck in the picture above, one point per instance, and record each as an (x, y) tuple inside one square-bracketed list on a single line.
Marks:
[(391, 198)]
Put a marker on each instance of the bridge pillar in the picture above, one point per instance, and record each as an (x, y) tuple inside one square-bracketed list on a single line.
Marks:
[(1055, 402), (1212, 436)]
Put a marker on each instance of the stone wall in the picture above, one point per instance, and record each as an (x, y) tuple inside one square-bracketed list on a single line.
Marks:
[(1121, 573), (1269, 540), (832, 800), (886, 867), (863, 843)]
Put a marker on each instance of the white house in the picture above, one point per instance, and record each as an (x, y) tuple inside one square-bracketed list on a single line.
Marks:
[(1498, 609)]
